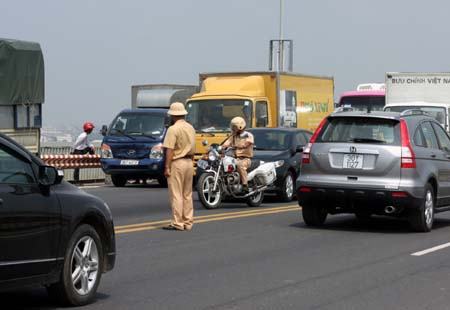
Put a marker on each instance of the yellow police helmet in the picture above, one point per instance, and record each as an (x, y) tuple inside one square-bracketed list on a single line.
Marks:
[(237, 123)]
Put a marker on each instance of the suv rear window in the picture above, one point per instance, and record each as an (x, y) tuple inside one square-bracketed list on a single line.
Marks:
[(360, 130)]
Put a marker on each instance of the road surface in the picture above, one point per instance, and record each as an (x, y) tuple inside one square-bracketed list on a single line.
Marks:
[(262, 258)]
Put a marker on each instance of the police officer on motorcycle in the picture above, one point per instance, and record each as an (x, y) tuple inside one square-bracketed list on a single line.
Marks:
[(242, 141)]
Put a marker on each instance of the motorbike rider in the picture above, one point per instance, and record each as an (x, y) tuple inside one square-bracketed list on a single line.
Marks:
[(82, 146), (242, 141)]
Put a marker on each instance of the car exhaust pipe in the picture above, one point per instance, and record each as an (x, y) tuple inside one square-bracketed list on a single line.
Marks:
[(389, 209)]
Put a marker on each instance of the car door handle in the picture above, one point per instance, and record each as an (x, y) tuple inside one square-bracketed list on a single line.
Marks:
[(1, 202), (433, 155), (447, 156)]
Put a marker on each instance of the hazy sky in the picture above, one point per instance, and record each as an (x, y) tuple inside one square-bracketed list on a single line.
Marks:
[(95, 50)]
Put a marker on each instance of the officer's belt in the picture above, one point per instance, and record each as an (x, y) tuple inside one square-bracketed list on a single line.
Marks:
[(186, 157)]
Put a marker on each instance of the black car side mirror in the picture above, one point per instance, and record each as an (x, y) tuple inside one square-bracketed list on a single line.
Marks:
[(49, 175), (104, 130)]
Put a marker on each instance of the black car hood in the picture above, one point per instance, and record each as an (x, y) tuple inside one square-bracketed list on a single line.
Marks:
[(270, 155)]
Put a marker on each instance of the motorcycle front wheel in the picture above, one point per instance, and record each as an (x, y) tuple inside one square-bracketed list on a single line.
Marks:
[(210, 199), (256, 199)]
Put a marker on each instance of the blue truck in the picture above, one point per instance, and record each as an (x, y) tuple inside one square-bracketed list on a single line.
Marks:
[(132, 144)]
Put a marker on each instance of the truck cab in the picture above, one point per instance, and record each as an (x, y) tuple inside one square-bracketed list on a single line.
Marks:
[(438, 111), (132, 146), (366, 96), (263, 99), (426, 91), (211, 110)]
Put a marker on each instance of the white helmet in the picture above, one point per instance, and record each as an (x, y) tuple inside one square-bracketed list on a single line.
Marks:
[(237, 123), (177, 109)]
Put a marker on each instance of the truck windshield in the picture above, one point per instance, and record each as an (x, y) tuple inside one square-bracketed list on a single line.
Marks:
[(437, 113), (362, 103), (138, 124), (215, 115)]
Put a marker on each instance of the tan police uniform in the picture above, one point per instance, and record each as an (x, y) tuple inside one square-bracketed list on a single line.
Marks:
[(181, 138), (243, 155)]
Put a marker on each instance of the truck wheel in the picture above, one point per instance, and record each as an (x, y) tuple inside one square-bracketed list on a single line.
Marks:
[(118, 180), (421, 220), (287, 188), (82, 268), (314, 215)]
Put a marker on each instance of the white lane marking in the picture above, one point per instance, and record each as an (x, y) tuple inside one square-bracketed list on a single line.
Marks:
[(433, 249)]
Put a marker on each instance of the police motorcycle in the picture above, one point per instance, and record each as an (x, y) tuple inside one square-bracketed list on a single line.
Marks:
[(220, 178)]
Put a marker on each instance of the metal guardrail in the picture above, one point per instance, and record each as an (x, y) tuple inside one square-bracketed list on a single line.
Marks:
[(59, 157), (72, 161)]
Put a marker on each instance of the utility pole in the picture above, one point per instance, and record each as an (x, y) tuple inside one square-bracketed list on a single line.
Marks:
[(281, 43)]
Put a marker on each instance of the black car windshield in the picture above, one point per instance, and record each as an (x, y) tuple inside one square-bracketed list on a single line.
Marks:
[(138, 124), (362, 103), (271, 140), (215, 115), (360, 130)]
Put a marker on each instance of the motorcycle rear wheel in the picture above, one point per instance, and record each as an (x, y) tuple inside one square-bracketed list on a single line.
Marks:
[(208, 198), (256, 199)]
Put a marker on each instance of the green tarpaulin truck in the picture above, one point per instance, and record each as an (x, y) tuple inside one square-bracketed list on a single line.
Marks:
[(21, 91)]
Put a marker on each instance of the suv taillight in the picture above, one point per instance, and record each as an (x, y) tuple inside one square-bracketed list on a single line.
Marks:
[(408, 159), (306, 155)]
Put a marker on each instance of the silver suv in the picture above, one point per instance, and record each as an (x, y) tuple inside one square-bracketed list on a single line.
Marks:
[(384, 163)]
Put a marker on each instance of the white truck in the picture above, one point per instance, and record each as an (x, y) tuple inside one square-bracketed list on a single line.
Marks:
[(160, 95), (429, 92)]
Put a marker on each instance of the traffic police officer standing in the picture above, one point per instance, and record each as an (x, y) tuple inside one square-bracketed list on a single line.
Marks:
[(179, 170)]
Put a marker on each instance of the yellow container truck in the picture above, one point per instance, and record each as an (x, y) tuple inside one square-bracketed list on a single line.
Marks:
[(264, 99)]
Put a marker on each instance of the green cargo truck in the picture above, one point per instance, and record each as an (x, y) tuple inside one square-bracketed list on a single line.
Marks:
[(21, 91)]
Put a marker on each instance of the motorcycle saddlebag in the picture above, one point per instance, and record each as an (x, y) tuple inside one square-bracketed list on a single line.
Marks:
[(266, 173)]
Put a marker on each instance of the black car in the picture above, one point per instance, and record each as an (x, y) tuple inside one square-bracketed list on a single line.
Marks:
[(51, 233), (285, 144)]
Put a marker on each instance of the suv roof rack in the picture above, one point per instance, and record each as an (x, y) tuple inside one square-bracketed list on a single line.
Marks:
[(343, 109), (412, 112)]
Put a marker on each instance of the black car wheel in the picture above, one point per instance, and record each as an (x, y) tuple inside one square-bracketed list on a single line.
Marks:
[(287, 188), (118, 180), (82, 269), (314, 215)]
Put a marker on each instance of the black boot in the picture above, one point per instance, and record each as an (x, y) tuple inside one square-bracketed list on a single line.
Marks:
[(245, 188)]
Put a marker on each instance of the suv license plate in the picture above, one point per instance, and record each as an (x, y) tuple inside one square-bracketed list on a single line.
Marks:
[(129, 162), (353, 161)]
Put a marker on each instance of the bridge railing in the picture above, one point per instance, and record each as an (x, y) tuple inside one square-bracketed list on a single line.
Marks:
[(59, 157)]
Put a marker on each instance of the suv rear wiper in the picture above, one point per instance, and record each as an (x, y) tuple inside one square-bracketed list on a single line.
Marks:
[(366, 140)]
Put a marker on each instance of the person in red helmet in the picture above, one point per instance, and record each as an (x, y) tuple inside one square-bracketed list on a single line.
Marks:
[(82, 146)]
